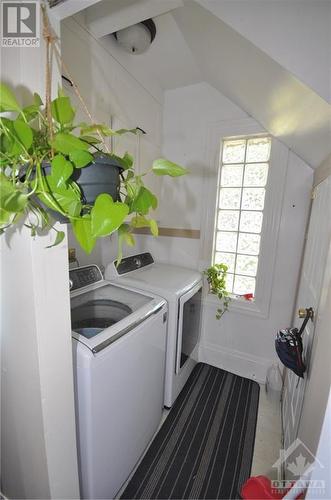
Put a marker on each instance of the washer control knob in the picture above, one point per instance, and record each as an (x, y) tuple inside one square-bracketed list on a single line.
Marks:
[(137, 261), (71, 284)]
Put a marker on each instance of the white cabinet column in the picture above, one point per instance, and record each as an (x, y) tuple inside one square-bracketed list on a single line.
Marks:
[(38, 438)]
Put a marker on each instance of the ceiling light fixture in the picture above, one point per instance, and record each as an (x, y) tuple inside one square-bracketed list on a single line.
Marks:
[(137, 38)]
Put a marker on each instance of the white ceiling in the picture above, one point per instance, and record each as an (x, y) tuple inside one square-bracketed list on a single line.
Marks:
[(114, 15), (194, 44), (263, 88), (296, 34), (168, 61)]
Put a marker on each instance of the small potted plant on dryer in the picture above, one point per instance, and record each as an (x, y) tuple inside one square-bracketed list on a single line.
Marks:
[(216, 278)]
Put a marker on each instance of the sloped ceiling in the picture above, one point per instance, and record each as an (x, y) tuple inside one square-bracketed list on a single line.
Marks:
[(296, 34), (168, 62), (114, 15), (194, 44), (283, 105)]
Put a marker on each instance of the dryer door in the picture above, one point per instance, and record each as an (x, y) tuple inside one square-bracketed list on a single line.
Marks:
[(188, 328)]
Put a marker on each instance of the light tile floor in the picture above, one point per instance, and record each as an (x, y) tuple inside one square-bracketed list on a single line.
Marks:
[(268, 437)]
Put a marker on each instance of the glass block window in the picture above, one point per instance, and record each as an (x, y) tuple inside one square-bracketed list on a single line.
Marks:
[(243, 178)]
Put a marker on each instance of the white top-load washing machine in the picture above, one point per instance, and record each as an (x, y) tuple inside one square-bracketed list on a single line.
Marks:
[(119, 342), (182, 288)]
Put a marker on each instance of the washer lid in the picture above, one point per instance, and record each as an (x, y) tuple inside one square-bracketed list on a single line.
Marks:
[(102, 310), (163, 279)]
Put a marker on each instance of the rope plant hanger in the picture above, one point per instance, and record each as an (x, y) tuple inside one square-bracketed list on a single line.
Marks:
[(51, 41), (44, 156)]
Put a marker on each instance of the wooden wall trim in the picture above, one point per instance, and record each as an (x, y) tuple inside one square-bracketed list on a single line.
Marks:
[(172, 232), (323, 171)]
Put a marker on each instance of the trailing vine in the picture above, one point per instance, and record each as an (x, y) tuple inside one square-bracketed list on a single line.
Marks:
[(216, 278)]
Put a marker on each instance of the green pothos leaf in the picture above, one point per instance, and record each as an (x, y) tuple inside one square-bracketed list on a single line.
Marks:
[(90, 139), (144, 201), (63, 198), (124, 236), (161, 166), (29, 112), (23, 133), (10, 142), (98, 128), (122, 131), (106, 215), (4, 217), (128, 160), (132, 185), (82, 229), (142, 221), (61, 170), (37, 99), (8, 100), (154, 227), (125, 161), (67, 143), (139, 221), (80, 158), (59, 238), (62, 111), (12, 199)]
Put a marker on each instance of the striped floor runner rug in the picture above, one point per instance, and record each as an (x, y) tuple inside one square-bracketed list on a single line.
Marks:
[(205, 447)]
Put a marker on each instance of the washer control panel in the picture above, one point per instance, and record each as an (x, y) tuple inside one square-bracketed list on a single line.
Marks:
[(84, 276)]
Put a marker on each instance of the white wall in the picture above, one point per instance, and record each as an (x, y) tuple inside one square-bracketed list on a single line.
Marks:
[(187, 111), (107, 86), (296, 34), (113, 95), (239, 342), (38, 440)]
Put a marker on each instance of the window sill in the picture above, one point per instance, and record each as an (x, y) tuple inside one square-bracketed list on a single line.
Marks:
[(239, 305)]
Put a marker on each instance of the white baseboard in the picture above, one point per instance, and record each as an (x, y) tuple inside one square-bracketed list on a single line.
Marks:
[(237, 362)]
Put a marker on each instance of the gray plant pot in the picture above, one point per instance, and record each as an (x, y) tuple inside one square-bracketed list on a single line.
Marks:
[(100, 176)]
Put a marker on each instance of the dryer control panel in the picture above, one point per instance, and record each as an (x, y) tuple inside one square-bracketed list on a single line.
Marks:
[(84, 276), (133, 263)]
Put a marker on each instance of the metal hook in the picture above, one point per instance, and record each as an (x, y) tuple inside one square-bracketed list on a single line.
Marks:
[(141, 130), (308, 312)]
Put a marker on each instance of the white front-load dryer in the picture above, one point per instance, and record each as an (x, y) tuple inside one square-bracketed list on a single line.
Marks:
[(182, 289)]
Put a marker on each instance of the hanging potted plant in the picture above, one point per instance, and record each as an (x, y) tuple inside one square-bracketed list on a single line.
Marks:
[(43, 154), (216, 278)]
